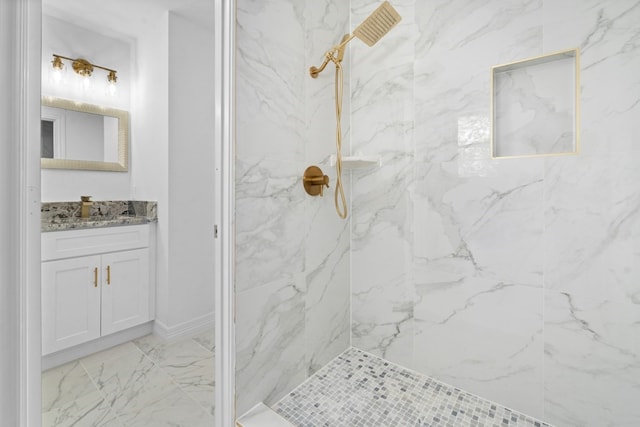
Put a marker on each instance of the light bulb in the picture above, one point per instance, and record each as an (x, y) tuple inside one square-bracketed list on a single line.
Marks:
[(86, 82), (58, 67), (112, 78), (57, 75)]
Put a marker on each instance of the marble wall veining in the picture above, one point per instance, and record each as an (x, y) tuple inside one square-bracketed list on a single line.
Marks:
[(516, 279), (292, 253), (382, 110)]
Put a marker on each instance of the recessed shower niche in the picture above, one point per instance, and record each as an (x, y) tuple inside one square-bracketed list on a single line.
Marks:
[(535, 106)]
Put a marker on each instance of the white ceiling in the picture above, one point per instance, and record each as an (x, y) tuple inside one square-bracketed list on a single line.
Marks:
[(126, 18)]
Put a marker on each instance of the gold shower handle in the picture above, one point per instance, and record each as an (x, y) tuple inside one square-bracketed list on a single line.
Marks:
[(321, 180), (314, 181)]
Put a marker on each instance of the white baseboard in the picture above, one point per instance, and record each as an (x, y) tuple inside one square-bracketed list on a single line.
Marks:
[(184, 329), (82, 350)]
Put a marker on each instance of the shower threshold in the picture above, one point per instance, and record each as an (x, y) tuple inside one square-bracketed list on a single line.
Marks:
[(358, 389)]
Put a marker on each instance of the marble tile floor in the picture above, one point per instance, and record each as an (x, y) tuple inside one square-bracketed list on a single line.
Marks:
[(142, 383), (358, 389)]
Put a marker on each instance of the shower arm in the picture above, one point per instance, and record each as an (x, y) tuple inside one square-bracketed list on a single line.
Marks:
[(335, 54)]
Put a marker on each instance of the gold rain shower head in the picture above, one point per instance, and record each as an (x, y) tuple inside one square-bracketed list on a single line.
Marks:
[(379, 23), (372, 29)]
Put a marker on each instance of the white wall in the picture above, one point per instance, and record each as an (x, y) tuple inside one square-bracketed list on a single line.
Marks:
[(190, 171), (171, 124), (71, 39), (150, 131), (68, 39)]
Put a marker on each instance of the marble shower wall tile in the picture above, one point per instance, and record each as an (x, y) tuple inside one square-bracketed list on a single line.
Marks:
[(270, 222), (607, 34), (516, 279), (483, 221), (382, 125), (382, 86), (327, 241), (484, 336), (270, 205), (327, 268), (382, 291), (591, 361), (470, 287), (292, 258), (270, 342), (270, 82), (452, 252), (458, 43), (327, 22), (577, 199), (599, 194)]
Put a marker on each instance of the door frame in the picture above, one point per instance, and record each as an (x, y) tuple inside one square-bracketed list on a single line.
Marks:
[(224, 163), (28, 329), (26, 81)]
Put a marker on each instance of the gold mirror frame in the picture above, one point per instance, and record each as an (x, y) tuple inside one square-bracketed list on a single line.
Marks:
[(122, 165)]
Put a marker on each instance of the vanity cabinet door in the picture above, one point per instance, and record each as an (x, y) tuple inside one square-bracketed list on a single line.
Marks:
[(70, 302), (125, 290)]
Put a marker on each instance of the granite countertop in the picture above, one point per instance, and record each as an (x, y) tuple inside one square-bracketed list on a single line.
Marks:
[(59, 224), (59, 216)]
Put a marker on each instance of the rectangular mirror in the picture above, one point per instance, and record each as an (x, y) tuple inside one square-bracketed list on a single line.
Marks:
[(83, 136)]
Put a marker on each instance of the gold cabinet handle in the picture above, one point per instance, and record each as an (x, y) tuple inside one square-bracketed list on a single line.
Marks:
[(95, 277), (108, 274)]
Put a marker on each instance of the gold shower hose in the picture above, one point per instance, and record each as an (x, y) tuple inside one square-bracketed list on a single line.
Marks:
[(372, 29), (339, 83)]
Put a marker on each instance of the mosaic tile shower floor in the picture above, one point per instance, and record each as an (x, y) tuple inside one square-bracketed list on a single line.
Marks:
[(358, 389)]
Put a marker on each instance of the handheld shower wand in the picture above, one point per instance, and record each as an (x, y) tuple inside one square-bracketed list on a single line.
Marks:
[(372, 29)]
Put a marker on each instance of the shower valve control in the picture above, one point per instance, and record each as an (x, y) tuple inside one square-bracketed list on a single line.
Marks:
[(314, 181)]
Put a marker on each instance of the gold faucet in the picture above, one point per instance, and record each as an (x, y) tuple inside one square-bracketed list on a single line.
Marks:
[(85, 208)]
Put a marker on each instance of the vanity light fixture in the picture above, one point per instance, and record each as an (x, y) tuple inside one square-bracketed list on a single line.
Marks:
[(83, 68)]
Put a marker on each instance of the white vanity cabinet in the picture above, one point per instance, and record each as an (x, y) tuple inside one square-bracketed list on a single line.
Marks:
[(94, 282)]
